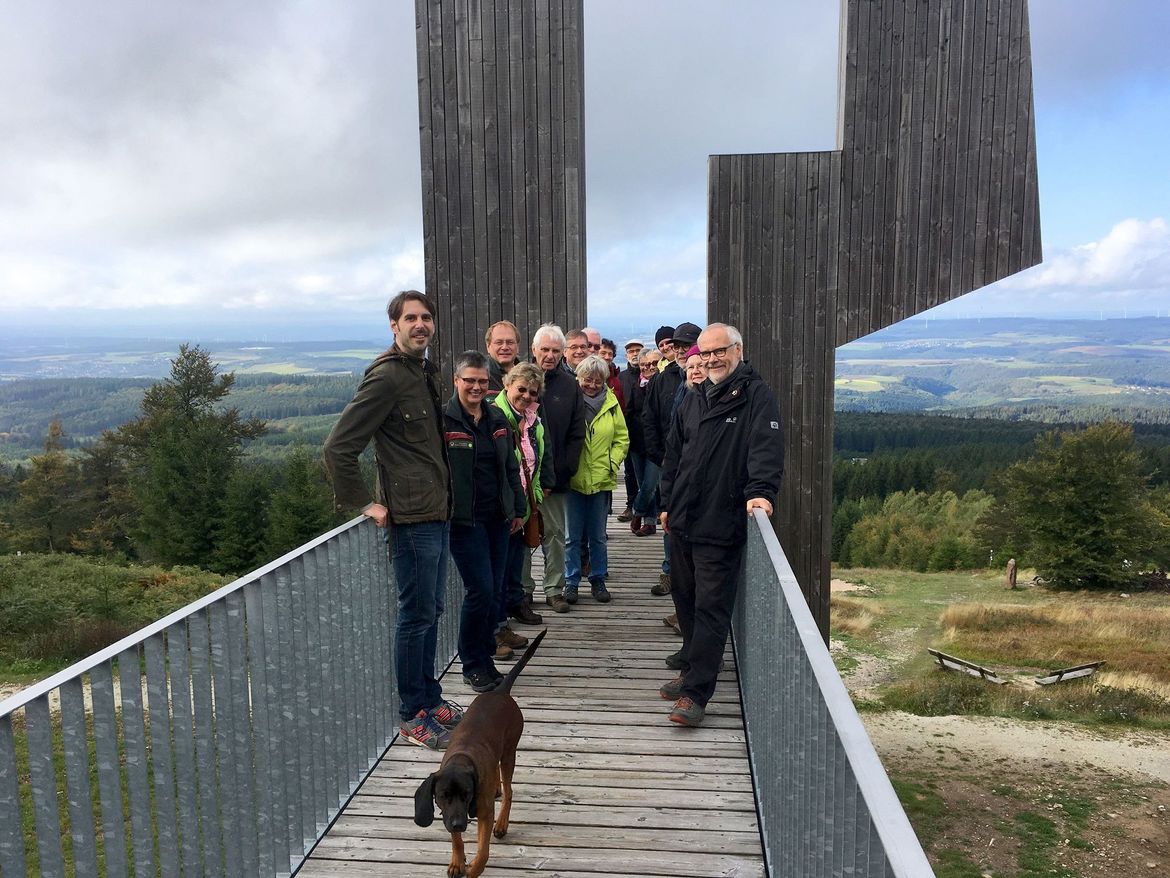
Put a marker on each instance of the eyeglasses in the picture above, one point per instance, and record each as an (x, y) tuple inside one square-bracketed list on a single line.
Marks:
[(474, 382), (651, 364), (681, 346), (594, 347), (528, 391), (714, 353)]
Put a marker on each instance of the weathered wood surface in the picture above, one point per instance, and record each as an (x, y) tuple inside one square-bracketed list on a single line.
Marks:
[(501, 129), (604, 783), (932, 194)]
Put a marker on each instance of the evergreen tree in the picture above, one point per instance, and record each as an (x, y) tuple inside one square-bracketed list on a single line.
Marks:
[(1079, 509), (303, 507), (105, 500), (46, 513), (241, 539), (182, 451)]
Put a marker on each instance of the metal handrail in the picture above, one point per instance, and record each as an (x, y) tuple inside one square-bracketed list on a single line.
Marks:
[(224, 738), (825, 803)]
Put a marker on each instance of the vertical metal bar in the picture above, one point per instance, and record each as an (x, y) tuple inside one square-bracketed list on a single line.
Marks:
[(337, 561), (291, 760), (109, 770), (225, 752), (303, 719), (166, 818), (253, 607), (186, 782), (241, 731), (316, 651), (211, 817), (364, 637), (384, 631), (43, 779), (75, 750), (278, 804), (12, 859), (137, 761), (330, 720)]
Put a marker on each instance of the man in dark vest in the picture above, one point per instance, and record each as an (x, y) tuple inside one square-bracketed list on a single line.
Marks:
[(724, 457), (397, 406)]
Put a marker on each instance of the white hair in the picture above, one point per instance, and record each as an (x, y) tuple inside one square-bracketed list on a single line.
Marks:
[(733, 336), (548, 332), (593, 365)]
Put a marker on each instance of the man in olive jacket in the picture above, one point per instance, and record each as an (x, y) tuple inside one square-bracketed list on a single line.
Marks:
[(724, 457), (398, 406)]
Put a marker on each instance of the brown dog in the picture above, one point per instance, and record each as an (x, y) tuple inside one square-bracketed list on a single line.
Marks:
[(479, 762)]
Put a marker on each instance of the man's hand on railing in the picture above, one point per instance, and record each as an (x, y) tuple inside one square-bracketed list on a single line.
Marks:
[(378, 512), (759, 503)]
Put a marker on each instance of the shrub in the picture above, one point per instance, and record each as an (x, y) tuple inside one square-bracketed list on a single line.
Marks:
[(918, 531)]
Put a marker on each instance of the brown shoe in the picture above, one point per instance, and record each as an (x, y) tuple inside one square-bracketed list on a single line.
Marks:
[(557, 602), (625, 516), (646, 530), (671, 622), (524, 614), (510, 638), (635, 524), (663, 585), (503, 651)]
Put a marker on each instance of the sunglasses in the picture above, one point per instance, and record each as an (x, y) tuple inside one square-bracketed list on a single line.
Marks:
[(528, 391)]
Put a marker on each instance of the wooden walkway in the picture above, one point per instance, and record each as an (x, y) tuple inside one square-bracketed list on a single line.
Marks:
[(604, 783)]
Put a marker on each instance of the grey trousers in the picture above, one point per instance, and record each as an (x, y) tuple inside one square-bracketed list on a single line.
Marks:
[(552, 510)]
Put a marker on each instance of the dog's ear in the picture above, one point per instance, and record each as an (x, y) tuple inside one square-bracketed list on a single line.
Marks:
[(424, 802), (474, 794)]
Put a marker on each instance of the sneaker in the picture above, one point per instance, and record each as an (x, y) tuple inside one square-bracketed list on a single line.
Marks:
[(673, 690), (671, 622), (557, 602), (600, 593), (448, 714), (503, 652), (570, 593), (635, 524), (662, 587), (425, 730), (674, 661), (524, 614), (508, 637), (686, 712), (482, 679), (646, 530), (623, 517)]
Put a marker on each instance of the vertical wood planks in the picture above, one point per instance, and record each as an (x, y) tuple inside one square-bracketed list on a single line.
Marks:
[(501, 123)]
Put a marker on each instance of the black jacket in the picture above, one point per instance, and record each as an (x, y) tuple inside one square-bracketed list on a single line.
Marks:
[(562, 408), (460, 436), (656, 409), (724, 448), (635, 398)]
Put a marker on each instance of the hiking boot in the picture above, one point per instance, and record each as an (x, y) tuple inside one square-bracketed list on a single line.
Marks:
[(625, 516), (674, 661), (600, 592), (508, 637), (673, 690), (635, 524), (557, 602), (663, 585), (482, 679), (671, 622), (570, 593), (686, 712), (503, 652), (425, 730), (448, 714), (646, 530), (524, 614)]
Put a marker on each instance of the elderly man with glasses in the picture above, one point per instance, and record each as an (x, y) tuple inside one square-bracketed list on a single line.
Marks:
[(724, 457)]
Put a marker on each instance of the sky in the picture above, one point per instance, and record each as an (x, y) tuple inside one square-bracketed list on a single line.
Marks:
[(251, 170)]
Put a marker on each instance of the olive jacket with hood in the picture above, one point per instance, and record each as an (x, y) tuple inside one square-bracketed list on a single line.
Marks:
[(606, 444), (397, 405)]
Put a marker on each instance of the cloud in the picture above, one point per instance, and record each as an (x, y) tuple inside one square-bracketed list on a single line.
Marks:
[(1134, 256)]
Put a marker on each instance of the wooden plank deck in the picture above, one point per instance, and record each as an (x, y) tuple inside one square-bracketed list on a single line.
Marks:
[(604, 784)]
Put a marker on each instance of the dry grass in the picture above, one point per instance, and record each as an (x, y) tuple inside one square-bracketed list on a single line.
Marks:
[(1134, 641), (852, 615)]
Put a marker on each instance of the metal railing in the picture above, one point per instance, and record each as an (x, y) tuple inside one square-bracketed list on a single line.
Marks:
[(825, 803), (265, 705)]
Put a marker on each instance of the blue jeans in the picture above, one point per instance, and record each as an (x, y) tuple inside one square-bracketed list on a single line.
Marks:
[(646, 503), (419, 555), (585, 522), (479, 550)]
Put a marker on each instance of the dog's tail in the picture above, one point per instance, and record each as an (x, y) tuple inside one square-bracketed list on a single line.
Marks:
[(506, 686)]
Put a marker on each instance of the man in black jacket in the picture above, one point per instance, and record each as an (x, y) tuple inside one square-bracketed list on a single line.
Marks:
[(629, 379), (562, 408), (724, 457)]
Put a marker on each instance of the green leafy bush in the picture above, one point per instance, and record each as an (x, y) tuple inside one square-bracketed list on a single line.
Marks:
[(919, 531)]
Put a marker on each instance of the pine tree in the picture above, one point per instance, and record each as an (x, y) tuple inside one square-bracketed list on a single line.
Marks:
[(182, 451), (241, 538), (46, 512), (104, 499), (303, 507)]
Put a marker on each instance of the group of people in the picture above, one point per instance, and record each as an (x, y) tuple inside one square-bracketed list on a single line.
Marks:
[(529, 451)]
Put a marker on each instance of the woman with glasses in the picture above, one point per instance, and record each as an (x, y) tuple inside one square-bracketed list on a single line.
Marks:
[(606, 443), (518, 403), (488, 506)]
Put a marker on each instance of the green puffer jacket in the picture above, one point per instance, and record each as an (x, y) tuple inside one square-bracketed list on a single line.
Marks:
[(543, 470), (606, 444)]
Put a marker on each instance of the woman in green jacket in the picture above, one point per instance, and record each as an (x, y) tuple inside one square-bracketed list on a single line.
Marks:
[(606, 443)]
